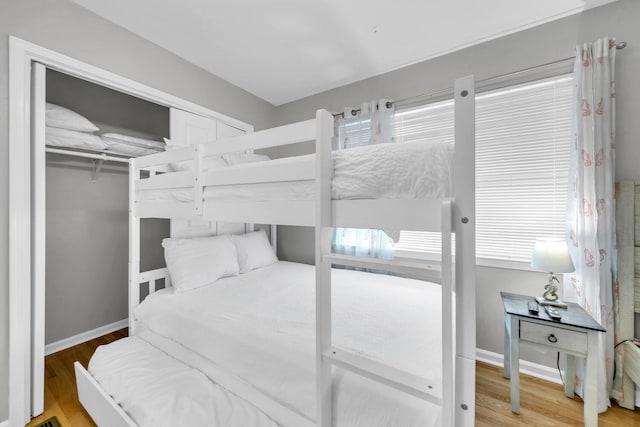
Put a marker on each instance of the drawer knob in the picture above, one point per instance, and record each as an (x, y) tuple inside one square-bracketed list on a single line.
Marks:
[(552, 338)]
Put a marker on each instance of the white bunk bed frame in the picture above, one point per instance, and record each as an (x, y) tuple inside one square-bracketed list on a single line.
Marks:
[(447, 216)]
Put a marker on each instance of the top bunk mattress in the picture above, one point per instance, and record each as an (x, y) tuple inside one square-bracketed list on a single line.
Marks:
[(411, 170), (259, 328)]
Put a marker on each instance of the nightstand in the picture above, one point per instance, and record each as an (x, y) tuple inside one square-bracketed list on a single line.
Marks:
[(575, 335)]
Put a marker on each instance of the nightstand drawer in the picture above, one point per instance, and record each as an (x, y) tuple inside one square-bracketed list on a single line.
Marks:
[(562, 339)]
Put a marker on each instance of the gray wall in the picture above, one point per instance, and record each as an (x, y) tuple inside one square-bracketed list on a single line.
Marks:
[(541, 45), (69, 29), (88, 222), (110, 110), (87, 246)]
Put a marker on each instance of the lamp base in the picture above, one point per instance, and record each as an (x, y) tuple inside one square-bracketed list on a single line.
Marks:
[(556, 303)]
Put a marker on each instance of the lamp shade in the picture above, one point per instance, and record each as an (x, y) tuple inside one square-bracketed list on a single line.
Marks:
[(552, 255)]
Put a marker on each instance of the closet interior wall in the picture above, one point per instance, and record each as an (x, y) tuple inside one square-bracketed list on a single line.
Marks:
[(86, 221)]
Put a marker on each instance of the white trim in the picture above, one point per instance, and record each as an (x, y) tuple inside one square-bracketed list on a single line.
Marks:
[(534, 369), (21, 55), (19, 235), (100, 406), (504, 264), (4, 423), (481, 262), (38, 233), (63, 344)]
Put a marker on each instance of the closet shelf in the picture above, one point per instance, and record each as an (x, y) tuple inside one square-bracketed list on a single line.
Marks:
[(96, 156)]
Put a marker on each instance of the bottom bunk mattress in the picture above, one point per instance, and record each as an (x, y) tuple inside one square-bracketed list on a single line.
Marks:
[(155, 389), (254, 334)]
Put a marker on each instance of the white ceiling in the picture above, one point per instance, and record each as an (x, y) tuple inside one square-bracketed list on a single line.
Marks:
[(284, 50)]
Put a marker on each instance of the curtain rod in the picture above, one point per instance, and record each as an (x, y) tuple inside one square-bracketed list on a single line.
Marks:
[(482, 82)]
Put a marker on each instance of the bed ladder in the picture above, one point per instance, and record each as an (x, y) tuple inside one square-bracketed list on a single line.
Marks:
[(457, 404), (330, 356)]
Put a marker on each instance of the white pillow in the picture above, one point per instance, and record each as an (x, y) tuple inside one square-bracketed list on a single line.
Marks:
[(210, 162), (132, 146), (129, 150), (138, 142), (197, 262), (70, 138), (63, 118), (254, 251), (239, 158)]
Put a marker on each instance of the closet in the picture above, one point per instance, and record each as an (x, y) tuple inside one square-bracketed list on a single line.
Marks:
[(87, 203), (80, 201)]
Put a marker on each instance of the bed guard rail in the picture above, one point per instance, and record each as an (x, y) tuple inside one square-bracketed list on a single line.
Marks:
[(137, 279), (198, 178)]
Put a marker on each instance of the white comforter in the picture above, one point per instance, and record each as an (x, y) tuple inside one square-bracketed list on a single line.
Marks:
[(404, 170), (157, 390), (257, 331), (412, 170)]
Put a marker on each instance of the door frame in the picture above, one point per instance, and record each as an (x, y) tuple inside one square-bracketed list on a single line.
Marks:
[(21, 296)]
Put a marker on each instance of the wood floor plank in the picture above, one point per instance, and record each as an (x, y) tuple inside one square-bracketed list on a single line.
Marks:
[(60, 394), (542, 403)]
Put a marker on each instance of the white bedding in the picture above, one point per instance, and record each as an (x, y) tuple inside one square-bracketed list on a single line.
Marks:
[(413, 170), (256, 331), (156, 390)]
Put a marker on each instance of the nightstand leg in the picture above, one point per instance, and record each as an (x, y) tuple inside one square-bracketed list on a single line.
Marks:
[(570, 376), (515, 364), (591, 382), (506, 364)]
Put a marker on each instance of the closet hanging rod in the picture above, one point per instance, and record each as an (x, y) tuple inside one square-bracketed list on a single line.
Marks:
[(479, 83), (101, 156)]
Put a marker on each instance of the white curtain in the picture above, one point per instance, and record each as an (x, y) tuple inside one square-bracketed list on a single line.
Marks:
[(372, 124), (590, 208), (362, 242)]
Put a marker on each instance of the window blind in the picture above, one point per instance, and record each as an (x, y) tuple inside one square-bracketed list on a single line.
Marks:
[(354, 132), (522, 149)]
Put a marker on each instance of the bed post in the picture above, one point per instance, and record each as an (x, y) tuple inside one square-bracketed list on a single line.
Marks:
[(464, 225), (273, 237), (134, 245), (448, 323), (324, 169)]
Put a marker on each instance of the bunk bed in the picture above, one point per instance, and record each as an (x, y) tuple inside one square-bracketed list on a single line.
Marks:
[(345, 378)]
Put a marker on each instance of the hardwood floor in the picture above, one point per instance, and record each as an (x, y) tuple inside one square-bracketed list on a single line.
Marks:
[(541, 403), (60, 394)]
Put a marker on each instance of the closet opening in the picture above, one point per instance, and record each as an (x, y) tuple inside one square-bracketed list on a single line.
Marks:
[(86, 220)]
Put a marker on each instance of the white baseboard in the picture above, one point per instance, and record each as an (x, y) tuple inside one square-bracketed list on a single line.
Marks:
[(526, 367), (4, 423), (57, 346)]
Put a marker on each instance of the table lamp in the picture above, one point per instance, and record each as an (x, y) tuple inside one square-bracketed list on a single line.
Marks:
[(551, 255)]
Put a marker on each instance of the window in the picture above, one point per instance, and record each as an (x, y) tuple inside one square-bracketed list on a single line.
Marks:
[(355, 132), (522, 150)]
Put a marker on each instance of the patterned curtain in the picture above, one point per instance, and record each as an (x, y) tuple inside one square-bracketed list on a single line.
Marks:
[(590, 209), (373, 123)]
